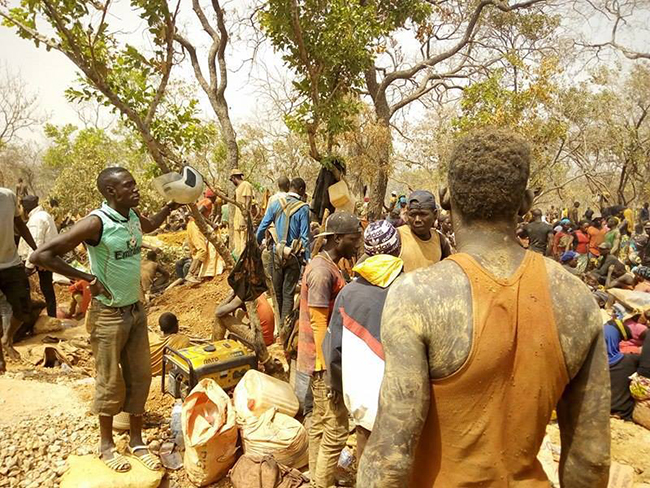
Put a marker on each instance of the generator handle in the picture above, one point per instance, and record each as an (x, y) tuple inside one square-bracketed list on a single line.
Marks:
[(190, 369), (244, 341)]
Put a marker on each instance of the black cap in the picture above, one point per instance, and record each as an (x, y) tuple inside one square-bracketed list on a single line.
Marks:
[(422, 199), (341, 223)]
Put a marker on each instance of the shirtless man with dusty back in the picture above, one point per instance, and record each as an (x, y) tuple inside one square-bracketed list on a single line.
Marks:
[(481, 347)]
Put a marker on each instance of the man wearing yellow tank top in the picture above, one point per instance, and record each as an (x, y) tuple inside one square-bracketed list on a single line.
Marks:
[(422, 244), (481, 348)]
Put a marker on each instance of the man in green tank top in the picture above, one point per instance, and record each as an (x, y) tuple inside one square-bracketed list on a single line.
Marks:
[(116, 319)]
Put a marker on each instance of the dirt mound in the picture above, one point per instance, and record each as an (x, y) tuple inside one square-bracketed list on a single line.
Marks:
[(193, 305), (175, 239), (630, 446)]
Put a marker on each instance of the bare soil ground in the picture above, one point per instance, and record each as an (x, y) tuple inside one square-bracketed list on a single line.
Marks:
[(44, 412), (193, 305)]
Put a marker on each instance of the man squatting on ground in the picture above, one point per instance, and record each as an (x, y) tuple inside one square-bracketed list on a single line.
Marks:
[(116, 320), (463, 402)]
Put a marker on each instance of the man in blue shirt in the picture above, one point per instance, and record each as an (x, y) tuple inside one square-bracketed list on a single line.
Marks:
[(290, 248)]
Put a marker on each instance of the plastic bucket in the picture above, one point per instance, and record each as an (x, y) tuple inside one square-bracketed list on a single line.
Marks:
[(258, 392)]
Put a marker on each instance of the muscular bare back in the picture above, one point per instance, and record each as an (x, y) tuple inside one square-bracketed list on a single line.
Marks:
[(438, 300)]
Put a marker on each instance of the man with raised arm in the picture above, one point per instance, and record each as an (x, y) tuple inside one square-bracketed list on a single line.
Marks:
[(481, 347), (116, 319)]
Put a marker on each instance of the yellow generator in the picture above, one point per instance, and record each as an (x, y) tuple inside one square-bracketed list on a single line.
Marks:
[(224, 361)]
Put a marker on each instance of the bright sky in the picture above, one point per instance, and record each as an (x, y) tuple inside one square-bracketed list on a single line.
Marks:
[(48, 74)]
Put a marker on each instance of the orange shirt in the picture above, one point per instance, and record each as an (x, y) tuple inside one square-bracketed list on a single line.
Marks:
[(83, 287), (267, 318), (597, 237), (207, 203)]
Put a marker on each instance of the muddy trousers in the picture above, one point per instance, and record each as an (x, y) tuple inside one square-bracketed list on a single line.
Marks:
[(328, 432), (120, 344), (47, 288), (363, 435), (285, 279)]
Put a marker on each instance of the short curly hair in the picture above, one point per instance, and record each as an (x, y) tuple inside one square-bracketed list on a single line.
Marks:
[(488, 174)]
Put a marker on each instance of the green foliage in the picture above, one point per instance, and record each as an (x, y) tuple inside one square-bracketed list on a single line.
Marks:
[(124, 68), (529, 110), (77, 157), (337, 40), (177, 123), (114, 73), (531, 26)]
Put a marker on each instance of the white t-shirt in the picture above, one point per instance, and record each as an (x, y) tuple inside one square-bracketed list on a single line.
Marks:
[(276, 196), (43, 229), (8, 210)]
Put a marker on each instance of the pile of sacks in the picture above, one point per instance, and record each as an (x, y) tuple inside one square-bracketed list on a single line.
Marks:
[(265, 409), (262, 412)]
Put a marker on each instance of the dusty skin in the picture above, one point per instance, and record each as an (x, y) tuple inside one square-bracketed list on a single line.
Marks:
[(427, 334)]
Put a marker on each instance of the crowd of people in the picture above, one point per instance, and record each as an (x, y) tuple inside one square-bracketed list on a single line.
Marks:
[(579, 243), (425, 330)]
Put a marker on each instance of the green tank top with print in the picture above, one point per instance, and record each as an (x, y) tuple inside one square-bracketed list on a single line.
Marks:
[(116, 259)]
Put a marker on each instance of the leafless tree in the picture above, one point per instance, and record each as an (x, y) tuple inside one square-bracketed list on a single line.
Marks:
[(216, 82), (626, 19), (447, 56), (18, 107)]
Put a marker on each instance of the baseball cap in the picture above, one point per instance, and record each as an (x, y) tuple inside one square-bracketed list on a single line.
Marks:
[(422, 199), (236, 172), (642, 271), (604, 245), (341, 223)]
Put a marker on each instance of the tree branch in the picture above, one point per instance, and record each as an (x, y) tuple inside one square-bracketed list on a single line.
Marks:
[(196, 6), (191, 50), (167, 66), (469, 31), (221, 51), (31, 32)]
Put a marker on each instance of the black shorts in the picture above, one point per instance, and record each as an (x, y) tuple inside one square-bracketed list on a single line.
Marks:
[(14, 284)]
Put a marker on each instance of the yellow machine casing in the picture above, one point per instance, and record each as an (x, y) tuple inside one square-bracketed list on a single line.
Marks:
[(225, 361)]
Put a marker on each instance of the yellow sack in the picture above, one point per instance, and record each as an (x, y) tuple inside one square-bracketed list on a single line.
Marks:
[(91, 472), (641, 414), (210, 433)]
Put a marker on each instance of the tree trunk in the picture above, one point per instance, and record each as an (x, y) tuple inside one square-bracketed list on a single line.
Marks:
[(380, 182), (622, 183), (220, 107)]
